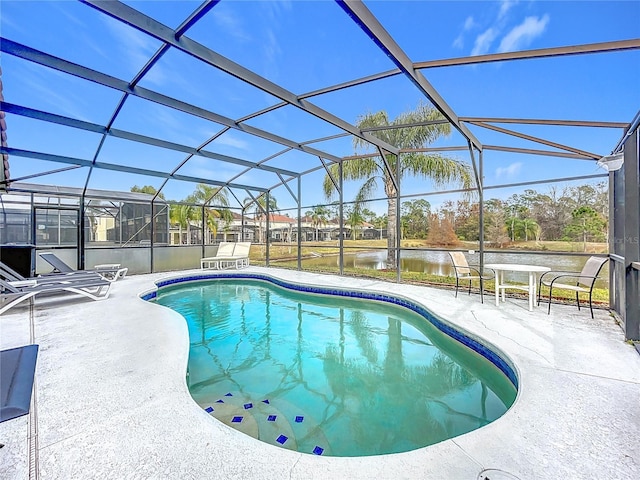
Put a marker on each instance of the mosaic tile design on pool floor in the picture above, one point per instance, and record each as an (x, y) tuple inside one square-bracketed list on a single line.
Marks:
[(267, 422)]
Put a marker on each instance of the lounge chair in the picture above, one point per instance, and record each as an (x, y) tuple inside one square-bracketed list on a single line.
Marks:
[(466, 272), (10, 275), (229, 255), (225, 251), (582, 282), (241, 254), (111, 272), (13, 293)]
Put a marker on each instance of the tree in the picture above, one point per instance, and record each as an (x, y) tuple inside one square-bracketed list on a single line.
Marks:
[(586, 223), (529, 228), (208, 194), (552, 213), (380, 222), (319, 216), (147, 189), (182, 215), (368, 215), (441, 231), (354, 219), (259, 207), (495, 228), (415, 217), (467, 220), (440, 169)]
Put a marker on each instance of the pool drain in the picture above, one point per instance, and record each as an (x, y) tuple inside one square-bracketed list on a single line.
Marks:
[(496, 474)]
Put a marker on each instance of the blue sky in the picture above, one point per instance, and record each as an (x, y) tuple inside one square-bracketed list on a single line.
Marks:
[(308, 45)]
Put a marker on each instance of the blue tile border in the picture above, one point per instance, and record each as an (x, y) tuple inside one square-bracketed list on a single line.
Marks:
[(445, 328)]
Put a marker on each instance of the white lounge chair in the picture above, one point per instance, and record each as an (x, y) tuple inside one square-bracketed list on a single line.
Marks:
[(12, 293), (229, 255), (10, 275), (241, 254), (225, 251), (111, 271)]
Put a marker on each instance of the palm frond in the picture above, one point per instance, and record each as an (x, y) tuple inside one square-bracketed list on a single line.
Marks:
[(442, 170), (366, 191)]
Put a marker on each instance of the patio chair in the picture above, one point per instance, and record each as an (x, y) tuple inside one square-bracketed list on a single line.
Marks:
[(582, 282), (111, 272), (10, 275), (241, 254), (464, 272), (13, 293), (225, 251)]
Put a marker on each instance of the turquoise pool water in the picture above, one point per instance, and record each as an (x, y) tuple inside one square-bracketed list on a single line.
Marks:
[(330, 375)]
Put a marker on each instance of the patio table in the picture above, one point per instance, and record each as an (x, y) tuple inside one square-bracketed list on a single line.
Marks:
[(532, 270)]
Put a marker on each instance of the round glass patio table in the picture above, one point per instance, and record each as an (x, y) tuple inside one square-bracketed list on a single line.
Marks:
[(532, 270)]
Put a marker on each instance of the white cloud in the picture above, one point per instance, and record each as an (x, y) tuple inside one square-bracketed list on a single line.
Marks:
[(483, 42), (228, 140), (510, 171), (522, 35), (469, 23), (505, 6), (70, 104), (231, 24), (134, 48)]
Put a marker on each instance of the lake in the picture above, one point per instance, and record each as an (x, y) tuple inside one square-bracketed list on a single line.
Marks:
[(439, 263)]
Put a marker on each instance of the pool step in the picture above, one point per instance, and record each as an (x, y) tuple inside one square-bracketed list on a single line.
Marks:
[(307, 430), (285, 425)]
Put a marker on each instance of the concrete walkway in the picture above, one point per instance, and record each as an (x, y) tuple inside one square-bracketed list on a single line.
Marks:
[(111, 400)]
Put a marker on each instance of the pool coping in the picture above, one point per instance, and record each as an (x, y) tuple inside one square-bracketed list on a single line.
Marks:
[(111, 394)]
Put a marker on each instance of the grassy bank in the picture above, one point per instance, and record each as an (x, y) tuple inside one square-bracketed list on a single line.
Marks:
[(285, 250), (285, 256), (600, 295)]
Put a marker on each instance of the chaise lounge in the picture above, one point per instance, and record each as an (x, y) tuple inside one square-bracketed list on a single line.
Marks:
[(11, 276), (229, 255), (13, 293), (110, 272)]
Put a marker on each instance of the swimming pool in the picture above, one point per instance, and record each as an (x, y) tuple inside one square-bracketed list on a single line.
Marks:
[(333, 372)]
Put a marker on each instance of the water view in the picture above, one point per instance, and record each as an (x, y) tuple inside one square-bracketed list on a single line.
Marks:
[(439, 263)]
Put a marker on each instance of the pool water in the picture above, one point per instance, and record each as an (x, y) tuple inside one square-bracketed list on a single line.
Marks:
[(330, 375)]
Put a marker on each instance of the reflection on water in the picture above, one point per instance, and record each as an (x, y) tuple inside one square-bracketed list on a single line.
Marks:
[(439, 263), (369, 378)]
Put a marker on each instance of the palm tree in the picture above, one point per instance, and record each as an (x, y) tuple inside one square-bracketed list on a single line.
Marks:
[(319, 216), (182, 215), (380, 223), (219, 196), (529, 227), (354, 219), (258, 211), (440, 169)]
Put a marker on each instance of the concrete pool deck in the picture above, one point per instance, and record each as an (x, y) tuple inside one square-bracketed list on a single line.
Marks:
[(111, 399)]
